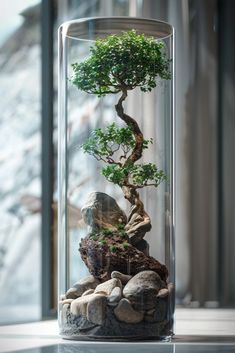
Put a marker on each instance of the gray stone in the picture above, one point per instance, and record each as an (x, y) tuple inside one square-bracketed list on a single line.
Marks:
[(64, 313), (160, 313), (108, 286), (102, 211), (164, 292), (79, 305), (67, 301), (171, 287), (112, 328), (88, 291), (142, 290), (149, 318), (125, 313), (89, 306), (72, 293), (123, 278), (96, 309), (115, 296), (89, 282)]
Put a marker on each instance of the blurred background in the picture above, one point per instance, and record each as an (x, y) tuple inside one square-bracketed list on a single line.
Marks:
[(205, 147)]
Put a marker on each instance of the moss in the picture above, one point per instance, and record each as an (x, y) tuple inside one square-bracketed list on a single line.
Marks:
[(102, 242), (113, 248), (125, 245)]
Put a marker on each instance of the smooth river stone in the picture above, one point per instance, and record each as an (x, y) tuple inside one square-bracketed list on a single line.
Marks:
[(108, 286), (123, 278), (142, 290), (67, 301), (125, 313), (91, 306), (164, 292), (96, 309), (115, 296), (89, 282), (88, 291)]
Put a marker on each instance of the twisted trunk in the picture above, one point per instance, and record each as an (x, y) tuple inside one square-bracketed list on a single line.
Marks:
[(139, 221)]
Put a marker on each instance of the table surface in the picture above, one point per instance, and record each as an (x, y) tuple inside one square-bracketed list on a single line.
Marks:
[(196, 330)]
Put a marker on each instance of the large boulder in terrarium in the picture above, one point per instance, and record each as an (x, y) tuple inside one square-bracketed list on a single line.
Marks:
[(102, 211)]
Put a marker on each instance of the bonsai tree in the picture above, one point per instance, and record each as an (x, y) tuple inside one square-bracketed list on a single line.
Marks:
[(118, 64)]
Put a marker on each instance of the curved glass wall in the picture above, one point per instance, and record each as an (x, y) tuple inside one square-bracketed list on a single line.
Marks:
[(116, 179)]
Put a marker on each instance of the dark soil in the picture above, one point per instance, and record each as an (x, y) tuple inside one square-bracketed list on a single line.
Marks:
[(103, 254)]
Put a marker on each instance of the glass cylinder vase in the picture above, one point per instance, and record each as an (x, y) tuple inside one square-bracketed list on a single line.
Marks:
[(116, 179)]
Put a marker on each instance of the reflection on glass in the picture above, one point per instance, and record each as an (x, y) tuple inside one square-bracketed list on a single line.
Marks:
[(134, 348)]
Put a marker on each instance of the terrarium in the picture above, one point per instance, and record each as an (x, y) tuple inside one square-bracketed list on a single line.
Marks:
[(116, 179)]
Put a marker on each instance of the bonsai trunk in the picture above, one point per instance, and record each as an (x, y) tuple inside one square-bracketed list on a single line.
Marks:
[(139, 222)]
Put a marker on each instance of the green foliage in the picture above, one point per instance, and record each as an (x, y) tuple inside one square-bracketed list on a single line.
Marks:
[(107, 231), (125, 245), (113, 248), (103, 242), (102, 144), (142, 174), (123, 61), (138, 175), (120, 226), (123, 234)]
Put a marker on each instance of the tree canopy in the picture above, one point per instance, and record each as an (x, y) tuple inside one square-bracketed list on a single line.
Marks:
[(122, 62), (119, 63)]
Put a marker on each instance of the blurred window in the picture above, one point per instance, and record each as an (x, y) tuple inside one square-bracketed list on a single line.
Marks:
[(20, 161)]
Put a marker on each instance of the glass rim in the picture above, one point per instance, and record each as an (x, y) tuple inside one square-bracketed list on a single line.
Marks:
[(81, 29)]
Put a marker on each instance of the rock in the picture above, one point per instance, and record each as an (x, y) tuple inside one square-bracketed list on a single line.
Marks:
[(123, 278), (88, 291), (91, 306), (115, 296), (64, 313), (67, 301), (124, 312), (96, 309), (142, 289), (102, 211), (150, 312), (149, 318), (171, 288), (101, 262), (72, 293), (79, 305), (89, 282), (108, 286), (164, 292), (160, 313), (80, 287)]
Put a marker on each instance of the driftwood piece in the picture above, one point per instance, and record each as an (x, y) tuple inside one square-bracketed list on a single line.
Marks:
[(138, 225)]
